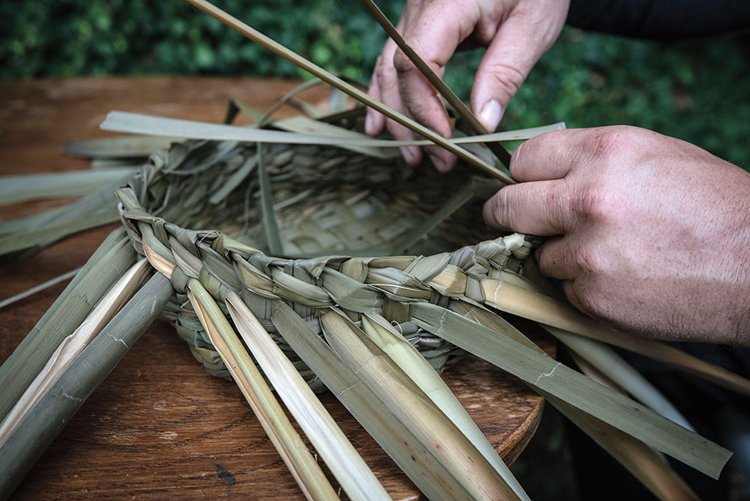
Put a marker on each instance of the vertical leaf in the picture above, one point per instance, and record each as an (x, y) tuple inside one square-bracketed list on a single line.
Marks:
[(271, 416), (327, 438)]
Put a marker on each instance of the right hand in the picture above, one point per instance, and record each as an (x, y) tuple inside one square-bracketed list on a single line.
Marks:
[(516, 34), (647, 232)]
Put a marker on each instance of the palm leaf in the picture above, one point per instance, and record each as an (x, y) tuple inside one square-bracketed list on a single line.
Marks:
[(318, 425), (135, 123), (100, 272), (288, 443), (58, 404), (418, 369), (72, 346)]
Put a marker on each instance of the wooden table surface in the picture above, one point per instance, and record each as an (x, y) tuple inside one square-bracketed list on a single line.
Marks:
[(159, 426)]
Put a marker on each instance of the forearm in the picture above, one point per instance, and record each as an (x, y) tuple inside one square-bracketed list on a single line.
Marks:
[(662, 19)]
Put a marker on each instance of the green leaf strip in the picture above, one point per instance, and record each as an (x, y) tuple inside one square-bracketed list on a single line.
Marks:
[(136, 123), (551, 376), (55, 409)]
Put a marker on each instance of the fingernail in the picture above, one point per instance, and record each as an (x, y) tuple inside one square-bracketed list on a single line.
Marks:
[(368, 123), (438, 162), (411, 154), (443, 161), (491, 114)]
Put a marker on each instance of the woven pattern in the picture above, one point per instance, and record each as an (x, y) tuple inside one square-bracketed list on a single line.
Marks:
[(197, 208)]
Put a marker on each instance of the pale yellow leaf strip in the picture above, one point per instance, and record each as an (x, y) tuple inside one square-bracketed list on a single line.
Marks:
[(329, 441), (419, 370), (271, 416), (535, 306), (404, 398)]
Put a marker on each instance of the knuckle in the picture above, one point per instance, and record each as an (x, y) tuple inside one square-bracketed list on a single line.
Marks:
[(426, 111), (496, 210), (589, 261), (601, 197), (591, 303), (585, 296), (547, 260), (506, 78), (417, 108), (593, 203), (554, 197), (611, 142), (387, 79), (518, 158), (402, 63)]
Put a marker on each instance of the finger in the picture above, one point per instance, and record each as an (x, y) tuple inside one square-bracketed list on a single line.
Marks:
[(434, 36), (374, 120), (586, 297), (518, 44), (572, 261), (442, 160), (424, 105), (556, 260), (435, 118), (384, 87), (549, 156), (572, 292), (536, 208), (388, 87), (412, 154)]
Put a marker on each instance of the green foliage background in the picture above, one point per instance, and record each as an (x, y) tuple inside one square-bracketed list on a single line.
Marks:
[(697, 90)]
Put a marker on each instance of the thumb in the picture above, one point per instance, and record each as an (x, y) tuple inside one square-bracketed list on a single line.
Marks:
[(514, 50)]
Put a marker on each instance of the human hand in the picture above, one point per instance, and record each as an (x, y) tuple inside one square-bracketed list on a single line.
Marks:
[(648, 232), (516, 34)]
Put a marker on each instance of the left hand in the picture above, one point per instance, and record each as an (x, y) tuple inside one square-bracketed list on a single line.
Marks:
[(648, 232), (516, 34)]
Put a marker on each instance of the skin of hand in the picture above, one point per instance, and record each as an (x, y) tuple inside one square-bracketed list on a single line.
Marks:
[(647, 232), (516, 34)]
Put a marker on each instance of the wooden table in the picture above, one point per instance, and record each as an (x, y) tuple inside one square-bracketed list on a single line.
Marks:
[(159, 426)]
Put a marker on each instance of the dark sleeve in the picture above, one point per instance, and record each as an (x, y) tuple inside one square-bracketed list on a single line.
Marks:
[(662, 19)]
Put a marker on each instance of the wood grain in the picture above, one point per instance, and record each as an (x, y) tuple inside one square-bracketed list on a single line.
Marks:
[(159, 426)]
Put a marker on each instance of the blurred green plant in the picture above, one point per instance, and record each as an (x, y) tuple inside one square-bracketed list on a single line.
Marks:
[(696, 90), (75, 37)]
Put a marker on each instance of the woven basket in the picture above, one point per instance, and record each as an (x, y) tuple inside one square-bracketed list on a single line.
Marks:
[(291, 231), (198, 206)]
